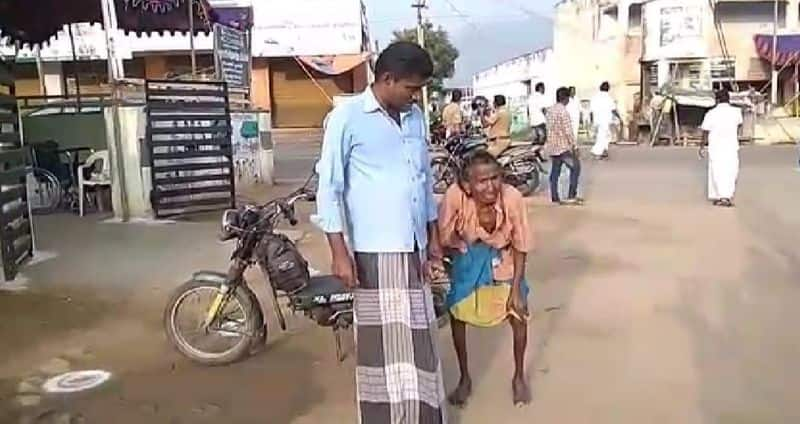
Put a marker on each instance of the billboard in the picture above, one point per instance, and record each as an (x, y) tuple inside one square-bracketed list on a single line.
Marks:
[(306, 27), (674, 29)]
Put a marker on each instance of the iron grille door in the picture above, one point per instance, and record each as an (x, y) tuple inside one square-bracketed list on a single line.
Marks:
[(189, 141)]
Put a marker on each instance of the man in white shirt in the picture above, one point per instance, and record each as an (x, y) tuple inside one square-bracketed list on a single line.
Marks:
[(537, 109), (604, 110), (721, 134), (574, 110)]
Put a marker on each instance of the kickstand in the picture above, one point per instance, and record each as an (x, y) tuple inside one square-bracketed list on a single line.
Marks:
[(337, 337)]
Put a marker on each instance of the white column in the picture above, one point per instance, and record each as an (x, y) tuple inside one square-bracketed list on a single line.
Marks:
[(792, 12), (53, 78)]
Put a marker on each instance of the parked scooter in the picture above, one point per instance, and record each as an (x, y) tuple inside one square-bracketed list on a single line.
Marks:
[(230, 322), (522, 163)]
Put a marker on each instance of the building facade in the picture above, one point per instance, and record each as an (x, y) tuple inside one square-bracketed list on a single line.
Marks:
[(305, 53), (639, 45), (516, 79)]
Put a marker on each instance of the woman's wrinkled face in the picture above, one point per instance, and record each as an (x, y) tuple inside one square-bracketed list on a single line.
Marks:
[(484, 183)]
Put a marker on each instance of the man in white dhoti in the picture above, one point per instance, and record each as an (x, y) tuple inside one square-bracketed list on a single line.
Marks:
[(574, 110), (721, 134), (603, 110)]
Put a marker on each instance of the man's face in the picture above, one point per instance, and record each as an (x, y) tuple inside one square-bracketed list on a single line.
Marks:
[(484, 183), (403, 92)]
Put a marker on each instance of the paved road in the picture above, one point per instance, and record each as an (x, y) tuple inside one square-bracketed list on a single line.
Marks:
[(651, 306)]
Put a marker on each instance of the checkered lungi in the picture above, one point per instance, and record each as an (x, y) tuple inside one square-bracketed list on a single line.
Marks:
[(398, 373)]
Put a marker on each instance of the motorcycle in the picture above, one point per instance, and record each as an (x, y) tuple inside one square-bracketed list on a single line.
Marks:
[(521, 163), (231, 324)]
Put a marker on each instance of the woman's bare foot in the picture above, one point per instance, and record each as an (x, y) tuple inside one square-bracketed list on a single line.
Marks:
[(460, 395), (522, 393)]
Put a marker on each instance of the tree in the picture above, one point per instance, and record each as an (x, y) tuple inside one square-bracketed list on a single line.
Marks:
[(443, 52)]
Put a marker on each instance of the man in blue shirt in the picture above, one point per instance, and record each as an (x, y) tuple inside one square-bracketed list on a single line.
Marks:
[(375, 203)]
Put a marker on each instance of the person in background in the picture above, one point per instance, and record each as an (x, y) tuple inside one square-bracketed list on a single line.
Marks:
[(562, 149), (574, 109), (721, 134), (452, 115), (484, 227), (537, 109), (374, 152), (498, 127), (603, 110)]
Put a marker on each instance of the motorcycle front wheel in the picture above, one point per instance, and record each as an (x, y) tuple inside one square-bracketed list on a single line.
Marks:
[(227, 339), (526, 184)]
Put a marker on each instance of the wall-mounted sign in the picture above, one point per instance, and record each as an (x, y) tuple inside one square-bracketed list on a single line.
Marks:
[(232, 56)]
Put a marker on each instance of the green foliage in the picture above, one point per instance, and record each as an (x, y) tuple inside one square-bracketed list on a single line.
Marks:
[(437, 43)]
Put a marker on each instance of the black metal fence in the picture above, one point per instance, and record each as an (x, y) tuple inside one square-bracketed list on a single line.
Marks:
[(189, 141), (16, 228)]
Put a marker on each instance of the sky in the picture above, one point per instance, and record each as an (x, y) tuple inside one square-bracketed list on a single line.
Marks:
[(486, 32)]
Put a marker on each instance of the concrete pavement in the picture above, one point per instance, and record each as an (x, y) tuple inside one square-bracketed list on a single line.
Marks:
[(651, 306)]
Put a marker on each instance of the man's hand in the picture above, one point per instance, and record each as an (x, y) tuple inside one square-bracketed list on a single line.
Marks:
[(515, 303), (342, 263), (343, 268), (701, 152)]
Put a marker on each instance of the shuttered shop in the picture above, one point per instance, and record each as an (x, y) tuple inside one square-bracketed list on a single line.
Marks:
[(296, 101)]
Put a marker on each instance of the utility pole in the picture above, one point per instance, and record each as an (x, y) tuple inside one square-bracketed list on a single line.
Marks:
[(419, 5), (191, 38), (774, 92)]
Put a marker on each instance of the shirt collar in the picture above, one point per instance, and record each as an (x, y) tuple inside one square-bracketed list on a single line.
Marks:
[(371, 104)]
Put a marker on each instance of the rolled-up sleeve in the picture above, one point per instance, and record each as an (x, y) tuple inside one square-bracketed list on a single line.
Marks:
[(430, 199), (331, 165)]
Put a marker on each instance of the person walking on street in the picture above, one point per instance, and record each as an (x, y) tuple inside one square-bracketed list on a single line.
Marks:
[(562, 148), (574, 109), (537, 109), (452, 115), (374, 152), (484, 227), (721, 134), (603, 110), (498, 126)]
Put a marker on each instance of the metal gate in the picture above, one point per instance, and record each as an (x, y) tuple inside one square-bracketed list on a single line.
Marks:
[(16, 228), (189, 141)]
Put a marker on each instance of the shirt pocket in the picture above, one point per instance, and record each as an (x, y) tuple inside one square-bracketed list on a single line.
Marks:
[(418, 154)]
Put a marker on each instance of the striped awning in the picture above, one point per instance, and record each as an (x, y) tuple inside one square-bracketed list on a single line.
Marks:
[(787, 52)]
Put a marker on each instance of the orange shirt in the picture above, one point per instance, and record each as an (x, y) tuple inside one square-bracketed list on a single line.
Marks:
[(459, 226)]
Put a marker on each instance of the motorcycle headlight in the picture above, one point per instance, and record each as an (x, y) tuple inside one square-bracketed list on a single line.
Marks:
[(230, 224)]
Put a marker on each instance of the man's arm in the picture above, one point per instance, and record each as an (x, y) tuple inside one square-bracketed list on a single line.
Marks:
[(331, 167), (435, 254)]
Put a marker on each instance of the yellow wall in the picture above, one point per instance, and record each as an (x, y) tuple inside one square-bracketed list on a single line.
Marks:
[(260, 94), (155, 67)]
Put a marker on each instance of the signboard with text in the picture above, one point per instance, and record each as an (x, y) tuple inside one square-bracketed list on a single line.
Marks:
[(232, 56)]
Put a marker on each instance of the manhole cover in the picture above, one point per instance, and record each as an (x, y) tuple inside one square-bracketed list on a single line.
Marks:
[(76, 381)]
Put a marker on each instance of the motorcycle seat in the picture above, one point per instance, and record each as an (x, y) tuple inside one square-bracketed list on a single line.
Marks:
[(322, 290)]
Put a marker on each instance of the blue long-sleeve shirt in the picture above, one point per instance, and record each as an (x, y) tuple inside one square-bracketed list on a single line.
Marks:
[(375, 180)]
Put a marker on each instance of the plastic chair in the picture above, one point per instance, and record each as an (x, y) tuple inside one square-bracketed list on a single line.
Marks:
[(97, 178)]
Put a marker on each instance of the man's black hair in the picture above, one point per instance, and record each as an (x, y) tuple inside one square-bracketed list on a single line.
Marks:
[(403, 60), (500, 100), (539, 87), (562, 94), (455, 96), (605, 86), (723, 96)]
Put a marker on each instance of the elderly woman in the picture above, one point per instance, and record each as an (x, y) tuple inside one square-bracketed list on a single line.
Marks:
[(483, 225)]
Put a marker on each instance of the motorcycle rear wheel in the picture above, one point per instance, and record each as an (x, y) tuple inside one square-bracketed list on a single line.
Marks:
[(443, 174), (244, 328), (530, 185)]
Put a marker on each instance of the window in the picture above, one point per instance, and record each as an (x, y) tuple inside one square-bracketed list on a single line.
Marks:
[(723, 70), (607, 20), (635, 19), (759, 13)]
